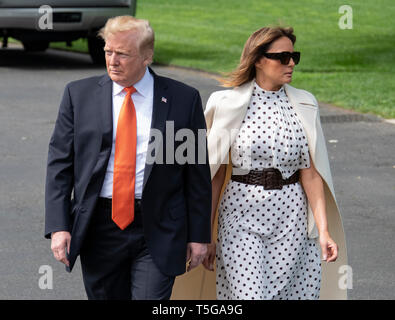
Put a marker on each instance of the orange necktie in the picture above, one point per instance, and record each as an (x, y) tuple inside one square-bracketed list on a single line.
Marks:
[(125, 163)]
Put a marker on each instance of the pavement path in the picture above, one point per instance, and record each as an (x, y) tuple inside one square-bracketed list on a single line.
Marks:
[(361, 150)]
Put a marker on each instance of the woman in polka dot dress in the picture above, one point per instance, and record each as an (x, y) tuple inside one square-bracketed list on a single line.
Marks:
[(263, 250)]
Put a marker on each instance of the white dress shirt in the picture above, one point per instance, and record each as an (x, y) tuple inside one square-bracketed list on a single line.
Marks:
[(143, 101)]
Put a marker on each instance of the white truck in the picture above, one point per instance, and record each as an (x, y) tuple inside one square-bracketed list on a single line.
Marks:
[(36, 23)]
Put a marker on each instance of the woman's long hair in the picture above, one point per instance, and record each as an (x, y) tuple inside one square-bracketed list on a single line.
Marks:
[(257, 44)]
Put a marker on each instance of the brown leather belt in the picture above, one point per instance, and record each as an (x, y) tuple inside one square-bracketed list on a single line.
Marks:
[(269, 178)]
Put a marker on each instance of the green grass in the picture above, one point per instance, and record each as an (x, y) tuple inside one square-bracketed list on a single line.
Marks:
[(353, 68), (80, 45)]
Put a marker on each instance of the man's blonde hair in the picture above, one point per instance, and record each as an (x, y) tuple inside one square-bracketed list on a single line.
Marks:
[(129, 23)]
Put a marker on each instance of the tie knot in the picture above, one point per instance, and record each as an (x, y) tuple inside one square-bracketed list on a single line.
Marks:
[(130, 90)]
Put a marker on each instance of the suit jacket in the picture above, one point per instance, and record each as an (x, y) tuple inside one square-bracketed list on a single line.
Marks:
[(176, 198), (224, 114)]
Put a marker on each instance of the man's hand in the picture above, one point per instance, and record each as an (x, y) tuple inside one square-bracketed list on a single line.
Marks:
[(196, 253), (60, 241), (208, 262)]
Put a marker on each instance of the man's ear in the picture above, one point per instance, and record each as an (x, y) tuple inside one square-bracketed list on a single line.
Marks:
[(148, 57)]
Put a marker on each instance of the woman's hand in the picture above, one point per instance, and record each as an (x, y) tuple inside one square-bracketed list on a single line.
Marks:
[(208, 261), (329, 247)]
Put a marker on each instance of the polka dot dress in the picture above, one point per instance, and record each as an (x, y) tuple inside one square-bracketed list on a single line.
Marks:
[(263, 251)]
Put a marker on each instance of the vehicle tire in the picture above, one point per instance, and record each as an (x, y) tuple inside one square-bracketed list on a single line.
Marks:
[(36, 45), (96, 50)]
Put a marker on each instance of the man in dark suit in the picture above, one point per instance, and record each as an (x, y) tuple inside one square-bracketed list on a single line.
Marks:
[(119, 192)]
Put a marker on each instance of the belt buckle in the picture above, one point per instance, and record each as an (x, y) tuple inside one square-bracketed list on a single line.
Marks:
[(272, 181)]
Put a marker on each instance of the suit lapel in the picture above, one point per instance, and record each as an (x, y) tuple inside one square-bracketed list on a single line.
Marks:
[(160, 109), (104, 106)]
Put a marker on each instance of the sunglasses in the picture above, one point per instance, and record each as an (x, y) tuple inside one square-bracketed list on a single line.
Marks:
[(284, 56)]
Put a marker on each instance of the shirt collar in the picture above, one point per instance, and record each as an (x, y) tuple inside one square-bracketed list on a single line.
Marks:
[(143, 87)]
